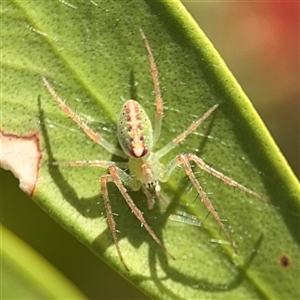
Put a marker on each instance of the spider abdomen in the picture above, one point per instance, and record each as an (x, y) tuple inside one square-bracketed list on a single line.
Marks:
[(134, 130)]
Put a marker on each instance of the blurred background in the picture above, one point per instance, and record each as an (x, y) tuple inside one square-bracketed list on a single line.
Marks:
[(259, 41), (266, 64)]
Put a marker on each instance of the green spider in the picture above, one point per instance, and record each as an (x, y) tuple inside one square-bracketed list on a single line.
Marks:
[(137, 139)]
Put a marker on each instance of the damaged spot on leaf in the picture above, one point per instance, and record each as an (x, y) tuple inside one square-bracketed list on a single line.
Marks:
[(21, 155), (284, 261)]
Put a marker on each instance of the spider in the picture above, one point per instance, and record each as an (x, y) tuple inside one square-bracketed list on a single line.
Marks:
[(137, 138)]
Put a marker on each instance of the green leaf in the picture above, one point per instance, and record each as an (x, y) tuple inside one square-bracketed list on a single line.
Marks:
[(25, 274), (93, 55)]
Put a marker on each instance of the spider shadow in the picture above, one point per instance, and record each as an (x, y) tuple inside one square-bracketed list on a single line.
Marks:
[(90, 208), (156, 256), (201, 282)]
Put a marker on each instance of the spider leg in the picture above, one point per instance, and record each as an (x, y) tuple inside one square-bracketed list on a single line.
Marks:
[(202, 165), (184, 160), (109, 216), (150, 198), (181, 137), (118, 176), (158, 99), (93, 135), (90, 163)]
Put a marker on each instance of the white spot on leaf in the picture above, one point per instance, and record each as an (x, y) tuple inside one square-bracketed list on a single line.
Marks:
[(21, 155)]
